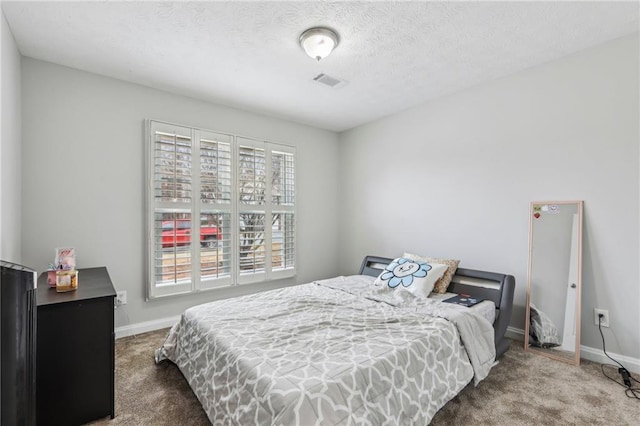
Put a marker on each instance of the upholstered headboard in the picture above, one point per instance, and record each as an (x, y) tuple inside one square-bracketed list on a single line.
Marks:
[(493, 286)]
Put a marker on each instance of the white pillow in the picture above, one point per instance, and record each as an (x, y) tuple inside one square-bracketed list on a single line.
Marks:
[(415, 276), (443, 283)]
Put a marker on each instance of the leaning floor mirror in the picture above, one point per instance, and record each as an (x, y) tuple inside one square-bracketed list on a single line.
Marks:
[(554, 280)]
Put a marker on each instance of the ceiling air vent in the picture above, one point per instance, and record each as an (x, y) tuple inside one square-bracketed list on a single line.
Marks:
[(329, 81)]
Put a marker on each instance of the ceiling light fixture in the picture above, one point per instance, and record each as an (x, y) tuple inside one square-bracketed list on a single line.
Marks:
[(319, 42)]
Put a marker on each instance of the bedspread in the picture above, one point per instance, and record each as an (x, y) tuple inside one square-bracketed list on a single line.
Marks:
[(316, 354), (476, 333)]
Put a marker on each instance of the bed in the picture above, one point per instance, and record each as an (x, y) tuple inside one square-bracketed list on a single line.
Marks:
[(334, 352), (491, 286)]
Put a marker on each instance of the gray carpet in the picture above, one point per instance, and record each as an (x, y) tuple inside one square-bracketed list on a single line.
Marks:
[(523, 389)]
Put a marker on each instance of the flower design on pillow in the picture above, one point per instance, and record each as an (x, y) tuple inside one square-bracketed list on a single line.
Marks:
[(402, 271)]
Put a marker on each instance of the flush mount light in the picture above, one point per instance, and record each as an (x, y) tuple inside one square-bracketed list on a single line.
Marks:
[(319, 42)]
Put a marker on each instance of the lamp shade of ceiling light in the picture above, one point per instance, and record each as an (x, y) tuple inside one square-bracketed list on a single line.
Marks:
[(319, 42)]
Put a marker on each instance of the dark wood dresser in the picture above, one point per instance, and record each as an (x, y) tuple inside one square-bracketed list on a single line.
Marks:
[(75, 360)]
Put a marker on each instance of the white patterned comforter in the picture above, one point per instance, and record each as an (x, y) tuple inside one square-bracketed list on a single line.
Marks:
[(328, 353)]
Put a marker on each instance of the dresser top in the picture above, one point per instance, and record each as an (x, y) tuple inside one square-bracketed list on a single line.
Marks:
[(92, 283)]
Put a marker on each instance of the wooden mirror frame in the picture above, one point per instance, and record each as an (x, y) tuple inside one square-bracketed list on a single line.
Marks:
[(551, 353)]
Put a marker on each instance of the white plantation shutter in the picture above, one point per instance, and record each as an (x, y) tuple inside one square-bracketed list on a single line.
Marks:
[(171, 158), (252, 211), (266, 210), (252, 260), (283, 177), (252, 172), (221, 210), (215, 168), (216, 249), (283, 254)]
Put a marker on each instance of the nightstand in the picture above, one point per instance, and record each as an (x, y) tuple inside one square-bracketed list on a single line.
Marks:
[(75, 350)]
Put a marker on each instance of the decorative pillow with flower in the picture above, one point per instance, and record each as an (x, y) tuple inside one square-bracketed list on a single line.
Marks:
[(442, 283), (415, 276)]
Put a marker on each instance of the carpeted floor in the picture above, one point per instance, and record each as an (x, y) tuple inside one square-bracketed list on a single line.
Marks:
[(523, 389)]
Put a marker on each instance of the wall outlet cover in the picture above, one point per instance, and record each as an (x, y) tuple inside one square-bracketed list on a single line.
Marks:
[(605, 317), (121, 297)]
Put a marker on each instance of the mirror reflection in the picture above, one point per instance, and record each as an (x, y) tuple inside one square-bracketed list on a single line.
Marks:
[(554, 280)]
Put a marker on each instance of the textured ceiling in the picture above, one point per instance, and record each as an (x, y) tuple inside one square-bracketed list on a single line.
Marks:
[(393, 55)]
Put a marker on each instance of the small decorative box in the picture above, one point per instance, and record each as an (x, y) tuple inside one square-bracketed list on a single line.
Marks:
[(51, 278), (66, 280)]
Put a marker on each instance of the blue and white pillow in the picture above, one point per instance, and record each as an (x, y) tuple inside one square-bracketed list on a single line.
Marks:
[(414, 276)]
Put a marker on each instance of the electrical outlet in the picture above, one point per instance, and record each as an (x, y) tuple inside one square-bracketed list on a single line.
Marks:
[(121, 297), (605, 317)]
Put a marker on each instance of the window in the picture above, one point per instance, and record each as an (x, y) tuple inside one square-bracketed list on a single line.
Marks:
[(220, 208)]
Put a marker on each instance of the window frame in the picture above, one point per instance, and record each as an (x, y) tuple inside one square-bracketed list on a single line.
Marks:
[(196, 208)]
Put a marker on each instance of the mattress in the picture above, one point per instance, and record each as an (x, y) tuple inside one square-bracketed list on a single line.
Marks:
[(321, 354)]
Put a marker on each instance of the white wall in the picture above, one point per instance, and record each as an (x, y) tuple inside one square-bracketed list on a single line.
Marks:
[(454, 178), (10, 149), (83, 174)]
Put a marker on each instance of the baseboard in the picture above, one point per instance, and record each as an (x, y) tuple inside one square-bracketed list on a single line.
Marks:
[(144, 327), (587, 352), (596, 355)]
